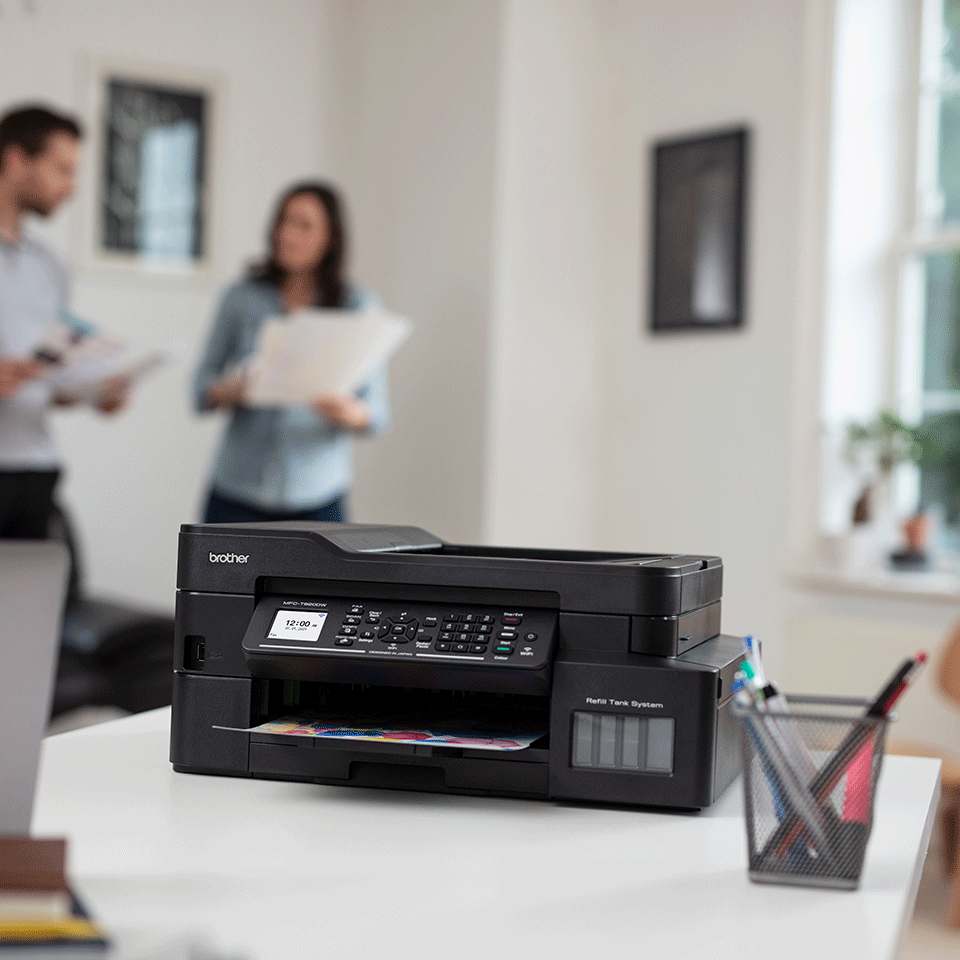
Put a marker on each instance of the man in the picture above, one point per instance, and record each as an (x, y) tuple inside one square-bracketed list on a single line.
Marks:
[(39, 152)]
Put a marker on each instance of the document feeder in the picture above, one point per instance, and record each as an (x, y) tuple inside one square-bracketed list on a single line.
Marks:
[(611, 666)]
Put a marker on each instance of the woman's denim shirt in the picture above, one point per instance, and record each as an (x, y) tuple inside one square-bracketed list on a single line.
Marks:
[(281, 458)]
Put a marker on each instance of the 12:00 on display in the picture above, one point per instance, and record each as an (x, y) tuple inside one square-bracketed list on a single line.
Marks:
[(304, 625)]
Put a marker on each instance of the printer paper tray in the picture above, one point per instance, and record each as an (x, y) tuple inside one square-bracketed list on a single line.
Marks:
[(519, 773), (371, 749)]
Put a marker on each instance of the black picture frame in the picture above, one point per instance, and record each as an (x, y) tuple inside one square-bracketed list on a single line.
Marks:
[(136, 110), (699, 225), (150, 202)]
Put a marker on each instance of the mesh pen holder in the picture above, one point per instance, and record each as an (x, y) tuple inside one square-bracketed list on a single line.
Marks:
[(810, 777)]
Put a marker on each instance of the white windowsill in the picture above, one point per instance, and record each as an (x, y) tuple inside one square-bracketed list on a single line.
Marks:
[(938, 586)]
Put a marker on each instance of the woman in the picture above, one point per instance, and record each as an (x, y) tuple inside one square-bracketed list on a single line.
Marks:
[(286, 463)]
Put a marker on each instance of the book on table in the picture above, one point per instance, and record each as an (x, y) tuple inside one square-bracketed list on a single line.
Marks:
[(40, 914)]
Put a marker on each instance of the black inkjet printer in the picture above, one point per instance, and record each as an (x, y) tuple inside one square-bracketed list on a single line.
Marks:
[(606, 672)]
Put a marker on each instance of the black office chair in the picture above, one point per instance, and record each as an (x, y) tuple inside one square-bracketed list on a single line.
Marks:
[(111, 654)]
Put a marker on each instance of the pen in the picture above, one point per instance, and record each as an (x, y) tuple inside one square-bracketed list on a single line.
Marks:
[(889, 695), (775, 702), (745, 698), (790, 794), (856, 792), (751, 681), (855, 816), (753, 656), (809, 814)]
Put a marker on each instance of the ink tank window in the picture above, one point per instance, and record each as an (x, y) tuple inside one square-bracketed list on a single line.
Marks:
[(609, 741)]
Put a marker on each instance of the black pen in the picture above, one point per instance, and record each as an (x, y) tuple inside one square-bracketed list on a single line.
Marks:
[(886, 698)]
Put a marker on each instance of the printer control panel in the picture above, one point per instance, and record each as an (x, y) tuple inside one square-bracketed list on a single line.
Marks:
[(437, 632)]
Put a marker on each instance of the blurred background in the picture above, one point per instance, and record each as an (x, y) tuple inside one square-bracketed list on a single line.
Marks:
[(496, 157)]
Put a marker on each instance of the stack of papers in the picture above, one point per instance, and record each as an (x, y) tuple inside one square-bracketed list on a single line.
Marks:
[(353, 728), (80, 363), (312, 353)]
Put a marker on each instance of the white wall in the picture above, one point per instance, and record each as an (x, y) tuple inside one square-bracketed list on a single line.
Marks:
[(597, 434), (421, 79), (847, 643), (496, 159), (132, 480), (701, 426), (552, 277), (495, 156), (603, 434)]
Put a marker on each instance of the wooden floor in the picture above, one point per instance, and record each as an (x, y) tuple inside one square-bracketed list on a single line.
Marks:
[(928, 938)]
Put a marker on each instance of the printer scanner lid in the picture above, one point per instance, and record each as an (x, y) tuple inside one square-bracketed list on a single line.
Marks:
[(240, 558)]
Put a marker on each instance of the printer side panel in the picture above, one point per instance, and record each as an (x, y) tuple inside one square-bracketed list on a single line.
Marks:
[(212, 686), (208, 631), (634, 730), (202, 705), (728, 762), (723, 654)]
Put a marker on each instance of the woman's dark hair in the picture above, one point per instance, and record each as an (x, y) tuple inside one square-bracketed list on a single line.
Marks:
[(330, 272)]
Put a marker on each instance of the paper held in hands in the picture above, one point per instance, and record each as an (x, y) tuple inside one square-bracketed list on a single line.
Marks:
[(81, 362), (312, 353)]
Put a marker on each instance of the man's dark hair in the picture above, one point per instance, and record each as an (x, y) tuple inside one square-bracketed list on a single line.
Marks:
[(31, 127)]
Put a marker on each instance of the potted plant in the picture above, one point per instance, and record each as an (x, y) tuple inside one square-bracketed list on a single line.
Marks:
[(878, 447), (875, 449)]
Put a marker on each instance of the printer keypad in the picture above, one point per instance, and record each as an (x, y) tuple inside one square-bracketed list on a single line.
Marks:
[(474, 636), (470, 633)]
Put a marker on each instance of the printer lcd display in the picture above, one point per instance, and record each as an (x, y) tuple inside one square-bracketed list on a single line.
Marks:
[(297, 625)]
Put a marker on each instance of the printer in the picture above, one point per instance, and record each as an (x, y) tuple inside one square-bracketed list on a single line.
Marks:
[(552, 674)]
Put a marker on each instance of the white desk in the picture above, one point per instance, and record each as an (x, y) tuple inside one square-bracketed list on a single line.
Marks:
[(286, 870)]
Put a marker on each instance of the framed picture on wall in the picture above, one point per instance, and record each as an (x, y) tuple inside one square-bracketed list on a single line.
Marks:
[(700, 189), (152, 137)]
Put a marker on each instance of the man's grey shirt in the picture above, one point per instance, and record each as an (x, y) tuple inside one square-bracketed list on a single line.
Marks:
[(33, 295)]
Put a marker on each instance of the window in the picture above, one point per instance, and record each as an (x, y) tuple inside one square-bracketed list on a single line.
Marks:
[(929, 351)]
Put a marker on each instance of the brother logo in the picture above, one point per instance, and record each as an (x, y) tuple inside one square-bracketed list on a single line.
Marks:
[(229, 558)]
